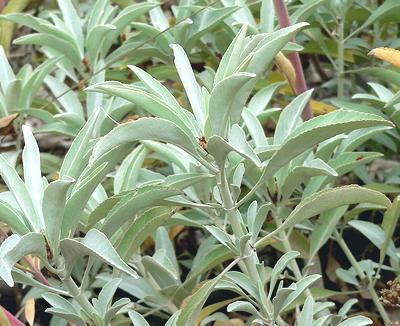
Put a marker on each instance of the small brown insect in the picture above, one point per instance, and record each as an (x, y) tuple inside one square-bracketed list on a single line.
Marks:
[(360, 157), (203, 143)]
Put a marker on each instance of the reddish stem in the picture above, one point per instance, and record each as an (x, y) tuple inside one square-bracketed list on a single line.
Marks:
[(301, 85), (37, 274)]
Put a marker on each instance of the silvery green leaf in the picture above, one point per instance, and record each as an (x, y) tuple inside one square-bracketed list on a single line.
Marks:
[(347, 276), (243, 15), (321, 128), (306, 315), (35, 80), (256, 221), (78, 200), (267, 16), (12, 96), (158, 18), (326, 148), (54, 199), (242, 306), (324, 227), (290, 117), (195, 302), (158, 89), (300, 174), (358, 137), (94, 101), (346, 307), (189, 82), (137, 319), (130, 14), (114, 309), (21, 195), (72, 21), (146, 129), (104, 300), (258, 103), (280, 266), (389, 225), (63, 308), (127, 174), (146, 100), (255, 128), (231, 59), (301, 285), (227, 101), (163, 243), (207, 257), (238, 175), (323, 321), (204, 22), (134, 202), (327, 199), (5, 71), (69, 100), (16, 247), (356, 321), (237, 139), (74, 162), (280, 297), (58, 45), (32, 172), (96, 244), (95, 40), (13, 218), (221, 236), (160, 268), (342, 164), (376, 235), (266, 51)]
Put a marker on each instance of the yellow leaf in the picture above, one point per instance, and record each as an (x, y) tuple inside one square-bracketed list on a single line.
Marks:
[(320, 108), (30, 311), (211, 309), (387, 54)]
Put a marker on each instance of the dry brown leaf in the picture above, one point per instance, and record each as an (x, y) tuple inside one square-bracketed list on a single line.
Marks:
[(6, 127), (30, 311), (389, 55), (287, 69)]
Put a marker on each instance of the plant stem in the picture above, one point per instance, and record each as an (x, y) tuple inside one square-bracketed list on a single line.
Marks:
[(286, 244), (301, 84), (340, 58), (78, 295), (251, 260), (362, 276)]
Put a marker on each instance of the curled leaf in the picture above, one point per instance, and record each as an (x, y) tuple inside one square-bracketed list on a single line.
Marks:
[(286, 68), (389, 55)]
